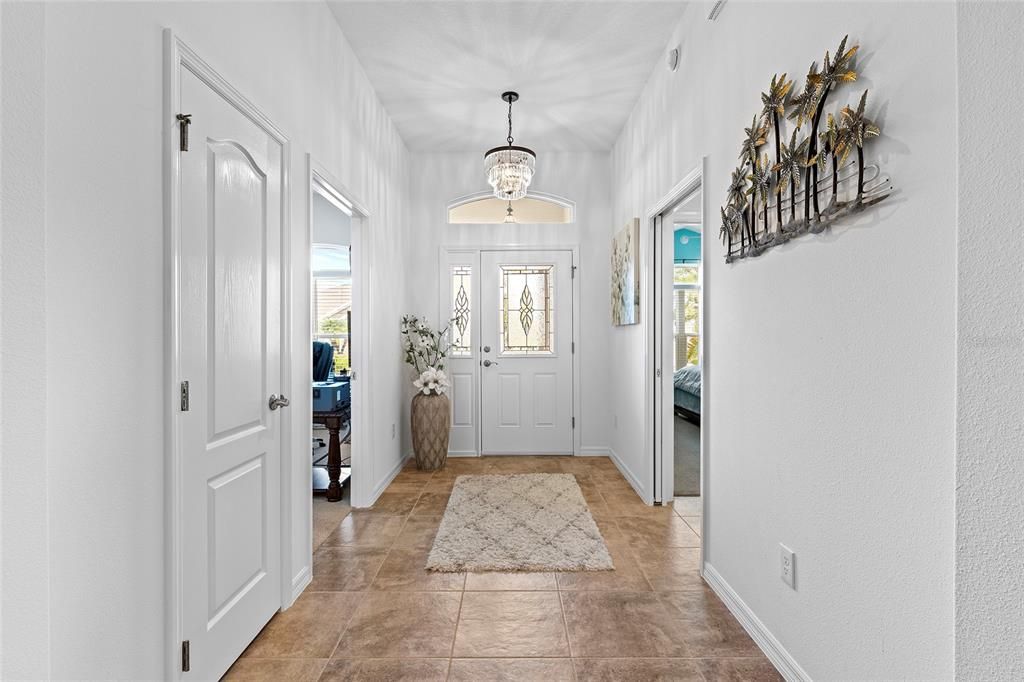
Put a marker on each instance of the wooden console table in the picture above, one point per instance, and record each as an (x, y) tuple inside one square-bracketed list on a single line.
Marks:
[(334, 420)]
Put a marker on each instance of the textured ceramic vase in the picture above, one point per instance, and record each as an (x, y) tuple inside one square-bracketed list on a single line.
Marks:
[(431, 415)]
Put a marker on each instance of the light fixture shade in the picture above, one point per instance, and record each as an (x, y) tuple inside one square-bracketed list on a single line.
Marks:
[(509, 171)]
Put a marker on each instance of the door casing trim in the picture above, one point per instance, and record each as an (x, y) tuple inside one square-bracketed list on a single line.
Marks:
[(444, 250), (178, 55)]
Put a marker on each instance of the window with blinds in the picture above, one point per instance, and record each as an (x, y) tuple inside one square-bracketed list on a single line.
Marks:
[(332, 316), (686, 314)]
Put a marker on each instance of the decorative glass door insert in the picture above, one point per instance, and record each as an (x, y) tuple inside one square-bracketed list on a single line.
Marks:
[(527, 309)]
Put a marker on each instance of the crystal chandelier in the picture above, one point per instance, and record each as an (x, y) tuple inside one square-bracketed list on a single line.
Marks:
[(510, 168)]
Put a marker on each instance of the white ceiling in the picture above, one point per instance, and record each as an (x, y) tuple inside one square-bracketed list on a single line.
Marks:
[(440, 67)]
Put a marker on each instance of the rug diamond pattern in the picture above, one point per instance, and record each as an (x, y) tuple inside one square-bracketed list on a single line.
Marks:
[(518, 522)]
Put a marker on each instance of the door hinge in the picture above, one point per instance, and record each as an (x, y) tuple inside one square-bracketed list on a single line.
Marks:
[(573, 346), (574, 272), (184, 121), (574, 422), (186, 664), (184, 396)]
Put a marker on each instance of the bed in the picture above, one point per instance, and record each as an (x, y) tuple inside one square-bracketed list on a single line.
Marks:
[(687, 392)]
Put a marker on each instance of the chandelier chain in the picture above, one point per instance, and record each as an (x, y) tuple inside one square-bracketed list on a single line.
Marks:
[(510, 122)]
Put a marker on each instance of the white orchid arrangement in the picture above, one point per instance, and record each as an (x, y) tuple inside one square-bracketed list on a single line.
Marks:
[(432, 381), (425, 351)]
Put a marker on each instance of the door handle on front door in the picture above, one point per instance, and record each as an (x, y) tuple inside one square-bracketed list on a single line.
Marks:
[(278, 401), (488, 363)]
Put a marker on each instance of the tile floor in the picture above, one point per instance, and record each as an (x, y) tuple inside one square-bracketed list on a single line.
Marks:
[(328, 515), (373, 612)]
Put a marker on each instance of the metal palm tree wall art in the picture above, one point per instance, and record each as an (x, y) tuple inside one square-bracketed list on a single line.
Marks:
[(760, 189), (761, 193), (774, 102), (792, 163)]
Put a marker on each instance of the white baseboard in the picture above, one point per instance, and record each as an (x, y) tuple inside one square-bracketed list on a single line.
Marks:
[(300, 582), (628, 475), (772, 648), (585, 451), (382, 486)]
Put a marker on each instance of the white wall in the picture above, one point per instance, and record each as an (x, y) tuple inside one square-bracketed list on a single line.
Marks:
[(95, 446), (330, 224), (830, 375), (437, 179), (23, 493), (990, 336)]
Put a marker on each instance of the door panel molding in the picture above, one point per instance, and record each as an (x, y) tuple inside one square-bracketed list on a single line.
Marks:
[(510, 400), (239, 492), (545, 385), (462, 398), (179, 57)]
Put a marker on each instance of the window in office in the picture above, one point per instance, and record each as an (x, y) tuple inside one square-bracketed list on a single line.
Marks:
[(332, 316)]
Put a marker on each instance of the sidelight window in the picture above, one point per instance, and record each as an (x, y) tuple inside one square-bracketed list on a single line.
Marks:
[(461, 328)]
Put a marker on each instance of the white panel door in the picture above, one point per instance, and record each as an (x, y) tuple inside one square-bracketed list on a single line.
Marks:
[(526, 349), (230, 319)]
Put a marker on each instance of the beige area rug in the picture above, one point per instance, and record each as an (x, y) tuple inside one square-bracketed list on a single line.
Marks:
[(518, 522)]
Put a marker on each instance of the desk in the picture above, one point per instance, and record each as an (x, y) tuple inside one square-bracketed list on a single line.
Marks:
[(334, 420)]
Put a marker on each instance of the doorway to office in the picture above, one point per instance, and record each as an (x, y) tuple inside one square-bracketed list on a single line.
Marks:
[(336, 352)]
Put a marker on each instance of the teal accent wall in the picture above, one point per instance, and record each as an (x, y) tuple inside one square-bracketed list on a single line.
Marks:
[(690, 251)]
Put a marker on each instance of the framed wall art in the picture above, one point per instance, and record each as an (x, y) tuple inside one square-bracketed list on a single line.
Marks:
[(626, 275)]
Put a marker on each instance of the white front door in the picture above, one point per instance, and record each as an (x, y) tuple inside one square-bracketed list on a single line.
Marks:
[(230, 325), (526, 344)]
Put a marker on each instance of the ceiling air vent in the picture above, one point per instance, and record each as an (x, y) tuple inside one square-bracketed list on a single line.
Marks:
[(716, 9)]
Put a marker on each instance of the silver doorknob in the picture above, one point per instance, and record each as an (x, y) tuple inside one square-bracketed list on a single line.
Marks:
[(278, 401), (488, 363)]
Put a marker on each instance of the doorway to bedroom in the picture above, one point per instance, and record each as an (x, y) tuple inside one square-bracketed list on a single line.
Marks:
[(679, 352), (687, 281)]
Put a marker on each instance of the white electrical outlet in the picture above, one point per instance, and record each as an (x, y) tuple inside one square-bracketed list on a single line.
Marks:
[(392, 431), (615, 421), (788, 565)]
